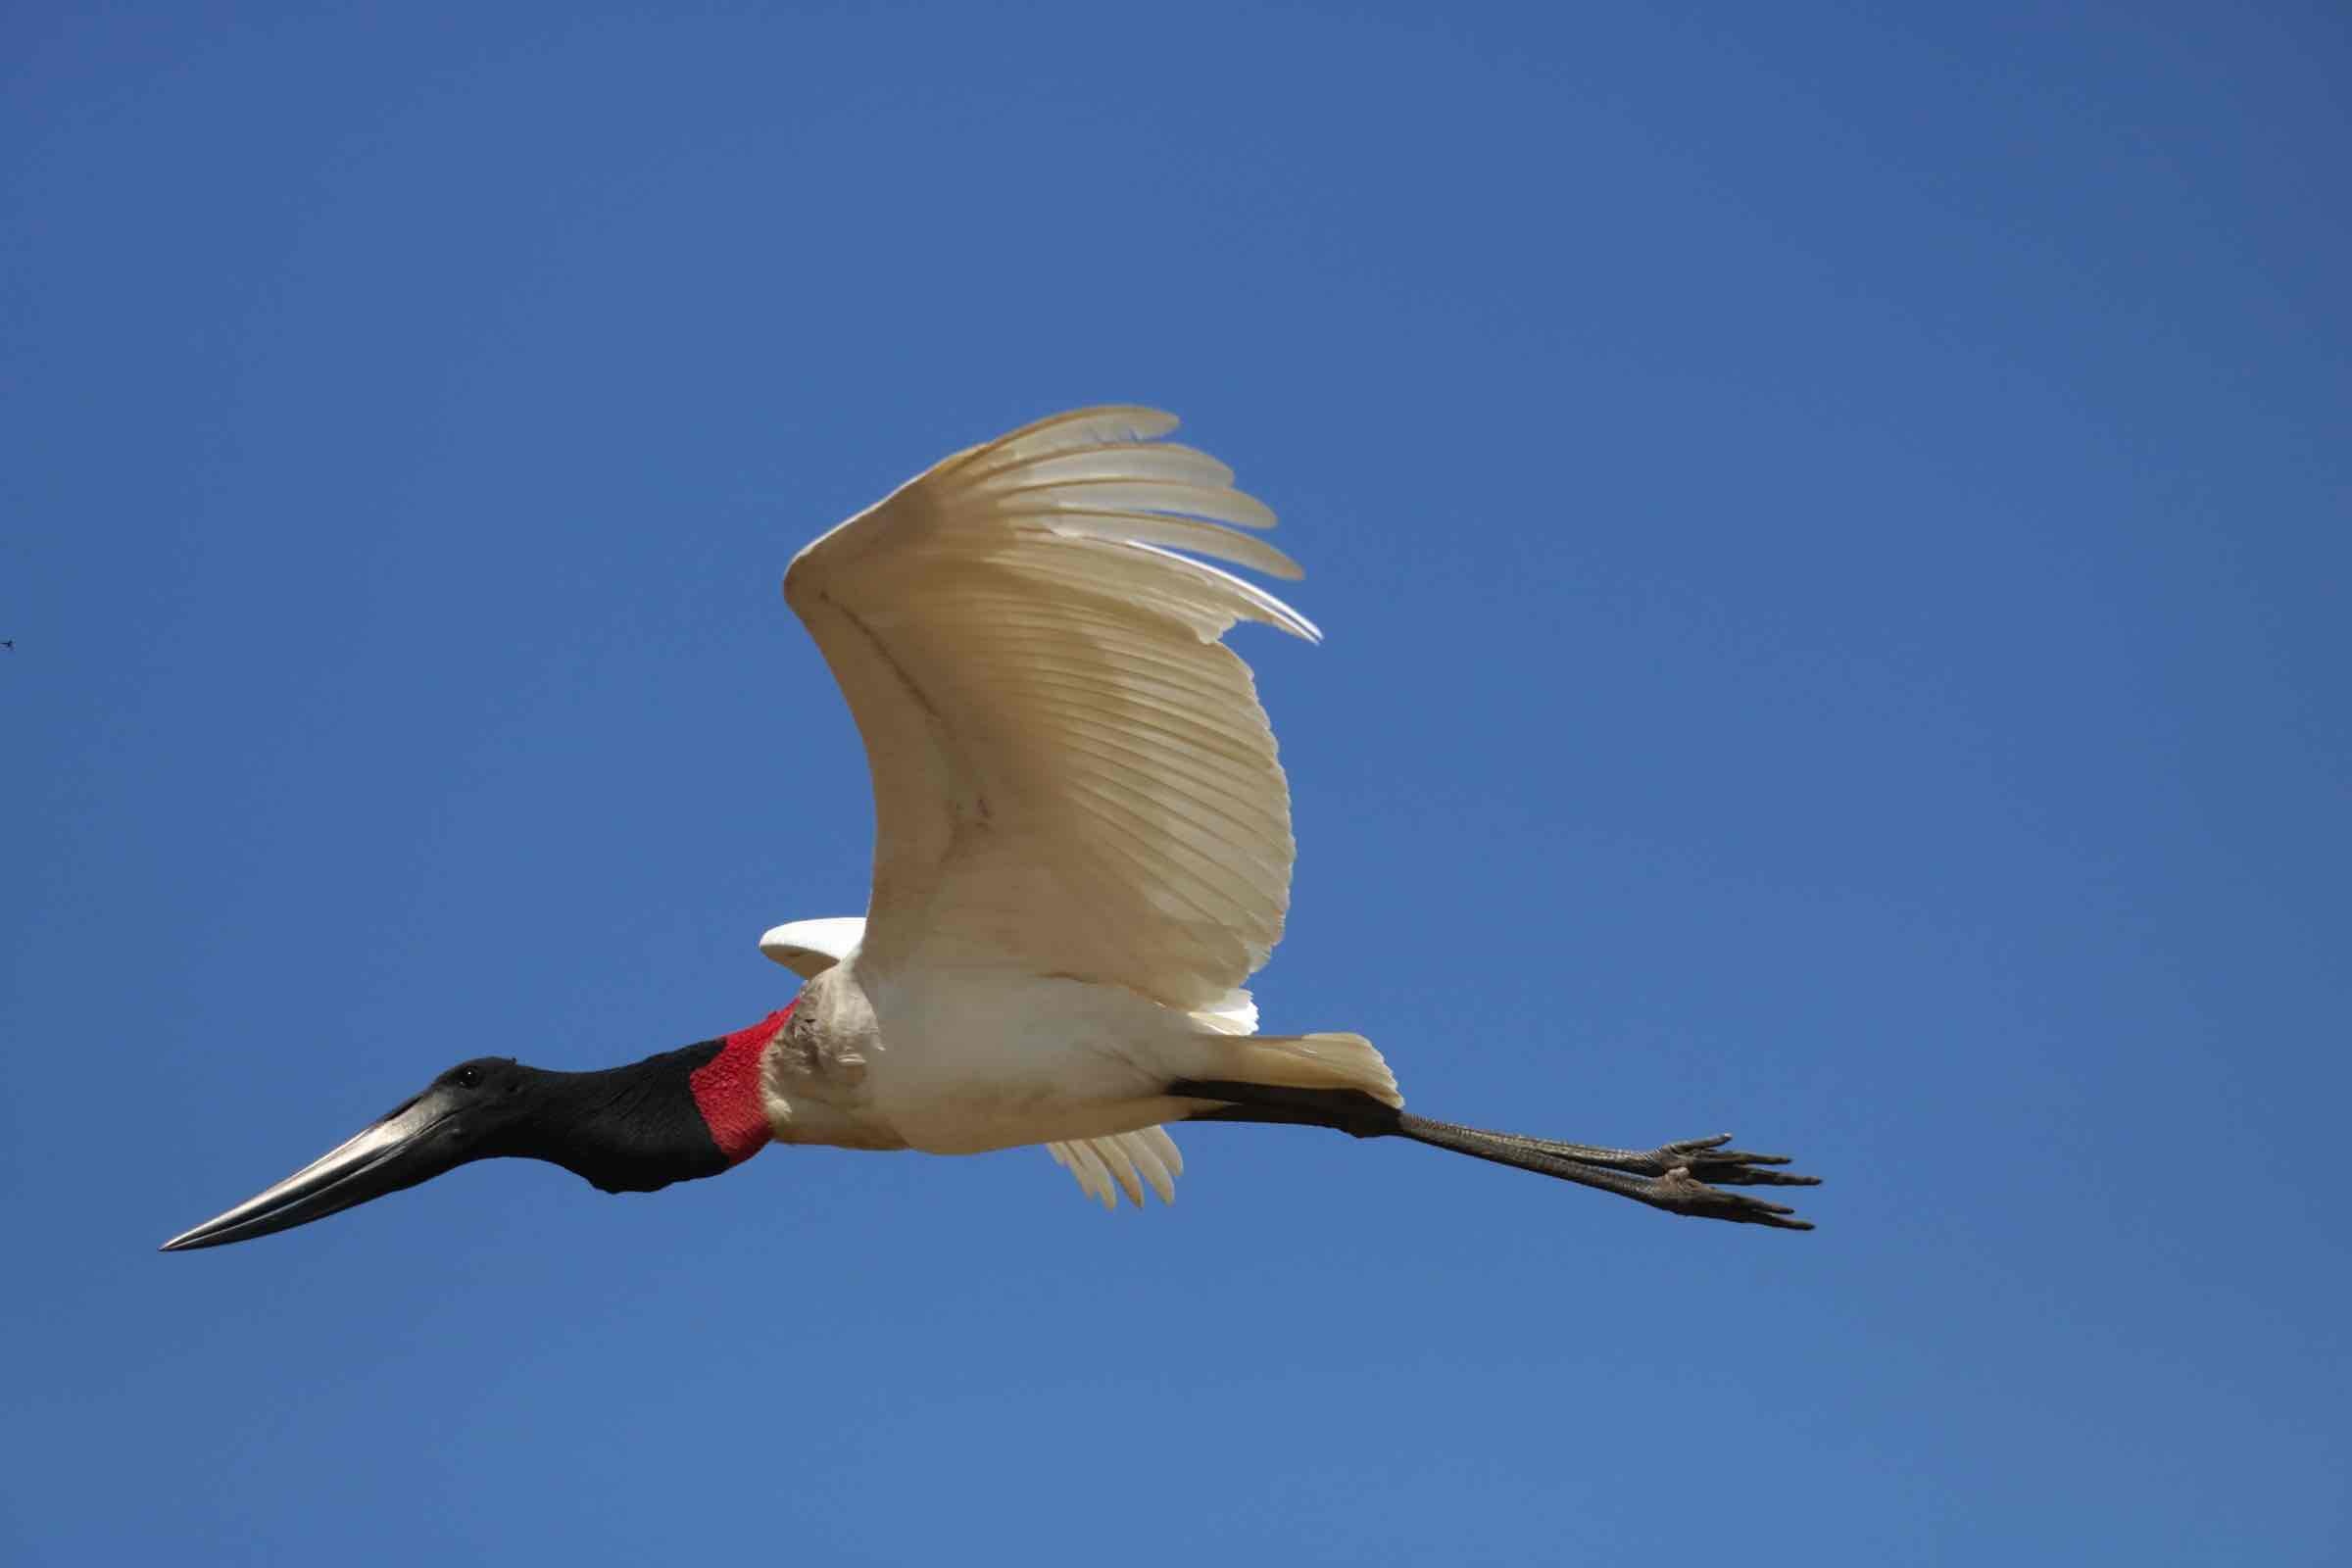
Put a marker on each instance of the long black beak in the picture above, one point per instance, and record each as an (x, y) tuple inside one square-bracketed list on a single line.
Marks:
[(414, 1143)]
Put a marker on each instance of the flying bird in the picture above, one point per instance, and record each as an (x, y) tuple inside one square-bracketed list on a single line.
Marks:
[(1082, 851)]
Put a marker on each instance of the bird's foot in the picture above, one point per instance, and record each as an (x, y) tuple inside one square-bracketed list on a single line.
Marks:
[(1678, 1191), (1705, 1159), (1681, 1178)]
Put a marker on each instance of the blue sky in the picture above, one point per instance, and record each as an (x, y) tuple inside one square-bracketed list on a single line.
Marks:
[(1831, 529)]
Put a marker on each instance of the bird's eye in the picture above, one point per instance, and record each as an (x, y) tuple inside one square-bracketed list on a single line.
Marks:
[(470, 1078)]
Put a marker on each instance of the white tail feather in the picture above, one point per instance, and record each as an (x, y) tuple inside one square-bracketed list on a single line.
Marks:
[(1334, 1060)]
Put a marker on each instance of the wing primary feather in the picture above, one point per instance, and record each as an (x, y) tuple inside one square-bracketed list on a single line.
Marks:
[(1177, 533), (1119, 1158), (1275, 612), (1249, 601), (1217, 503), (1146, 1153), (1169, 1153), (1168, 460), (1093, 1176), (1104, 424)]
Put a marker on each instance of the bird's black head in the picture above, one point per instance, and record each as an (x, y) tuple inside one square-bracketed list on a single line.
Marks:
[(490, 1107), (629, 1129)]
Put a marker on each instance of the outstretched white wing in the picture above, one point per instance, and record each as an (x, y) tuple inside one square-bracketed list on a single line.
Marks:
[(1071, 773)]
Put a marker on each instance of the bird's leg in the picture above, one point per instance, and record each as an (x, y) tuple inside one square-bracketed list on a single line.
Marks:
[(1703, 1157), (1674, 1177), (1668, 1177)]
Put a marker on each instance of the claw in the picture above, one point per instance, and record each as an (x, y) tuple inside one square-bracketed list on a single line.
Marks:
[(1694, 1145)]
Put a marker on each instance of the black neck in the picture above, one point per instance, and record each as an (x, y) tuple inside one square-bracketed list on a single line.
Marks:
[(631, 1129)]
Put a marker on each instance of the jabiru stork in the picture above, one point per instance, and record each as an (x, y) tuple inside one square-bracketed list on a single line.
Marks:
[(1082, 850)]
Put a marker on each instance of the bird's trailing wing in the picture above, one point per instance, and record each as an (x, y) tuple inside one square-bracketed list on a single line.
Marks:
[(1071, 773)]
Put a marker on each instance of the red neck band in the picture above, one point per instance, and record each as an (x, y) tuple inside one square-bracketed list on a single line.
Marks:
[(726, 1089)]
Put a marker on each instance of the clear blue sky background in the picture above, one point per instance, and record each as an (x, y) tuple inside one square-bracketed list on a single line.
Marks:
[(1831, 530)]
